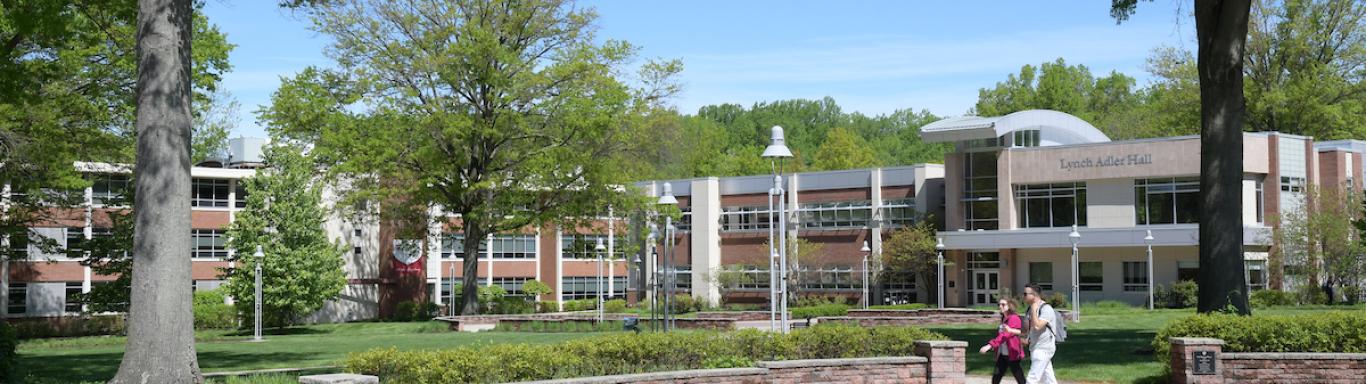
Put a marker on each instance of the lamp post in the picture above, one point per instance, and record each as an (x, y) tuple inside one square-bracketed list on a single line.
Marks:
[(1075, 237), (1148, 240), (866, 251), (667, 198), (260, 259), (599, 250), (772, 263), (939, 261), (777, 151)]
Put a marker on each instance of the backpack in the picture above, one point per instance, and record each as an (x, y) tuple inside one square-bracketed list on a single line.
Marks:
[(1058, 325)]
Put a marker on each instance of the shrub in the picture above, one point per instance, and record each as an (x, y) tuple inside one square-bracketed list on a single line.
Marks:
[(1352, 294), (404, 311), (741, 307), (1328, 331), (904, 307), (1269, 297), (580, 305), (1183, 294), (683, 304), (826, 310), (69, 326), (614, 306), (1058, 300), (536, 288), (621, 353), (210, 312), (9, 343), (1308, 294), (547, 306), (819, 300)]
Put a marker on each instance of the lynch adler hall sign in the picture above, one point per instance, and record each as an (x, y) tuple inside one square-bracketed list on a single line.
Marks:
[(1105, 161)]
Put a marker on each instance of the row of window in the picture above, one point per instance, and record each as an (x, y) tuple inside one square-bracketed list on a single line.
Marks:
[(840, 214), (113, 190), (1092, 275), (73, 295)]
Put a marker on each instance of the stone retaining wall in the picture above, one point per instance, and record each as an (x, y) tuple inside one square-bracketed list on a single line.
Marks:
[(940, 362), (905, 321), (1263, 367), (929, 312)]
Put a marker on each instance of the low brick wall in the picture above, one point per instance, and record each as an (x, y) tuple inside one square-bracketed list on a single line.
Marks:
[(905, 321), (941, 363), (521, 322), (1262, 367), (946, 312), (735, 315)]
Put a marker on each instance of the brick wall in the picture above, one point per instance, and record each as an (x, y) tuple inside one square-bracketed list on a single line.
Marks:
[(1267, 367), (942, 364)]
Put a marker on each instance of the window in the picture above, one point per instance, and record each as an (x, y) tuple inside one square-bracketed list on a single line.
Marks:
[(585, 247), (898, 287), (1292, 184), (209, 193), (1041, 273), (979, 192), (1092, 276), (993, 142), (1024, 138), (899, 212), (1135, 276), (830, 279), (18, 298), (110, 190), (241, 189), (75, 242), (208, 244), (984, 260), (1187, 270), (1167, 201), (1052, 205), (1260, 200), (355, 251), (843, 214), (73, 297), (18, 244), (1256, 274), (513, 285), (683, 277), (504, 246), (747, 218), (684, 223), (586, 287)]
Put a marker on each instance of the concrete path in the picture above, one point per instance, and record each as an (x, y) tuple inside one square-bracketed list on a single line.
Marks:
[(1006, 380)]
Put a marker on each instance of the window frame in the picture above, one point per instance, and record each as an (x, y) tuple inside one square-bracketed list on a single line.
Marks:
[(1135, 276), (199, 185), (1047, 195), (1046, 266), (1098, 282), (217, 248)]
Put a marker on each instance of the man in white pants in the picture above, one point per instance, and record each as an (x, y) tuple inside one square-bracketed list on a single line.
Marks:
[(1042, 341)]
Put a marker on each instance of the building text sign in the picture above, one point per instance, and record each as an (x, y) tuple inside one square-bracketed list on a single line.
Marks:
[(1106, 161), (1205, 363)]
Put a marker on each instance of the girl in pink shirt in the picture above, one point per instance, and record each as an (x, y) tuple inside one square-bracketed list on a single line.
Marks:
[(1007, 344)]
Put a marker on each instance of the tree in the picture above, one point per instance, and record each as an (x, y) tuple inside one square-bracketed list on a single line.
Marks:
[(843, 149), (504, 114), (1221, 28), (1304, 68), (160, 345), (1110, 103), (284, 216), (1318, 239), (912, 250)]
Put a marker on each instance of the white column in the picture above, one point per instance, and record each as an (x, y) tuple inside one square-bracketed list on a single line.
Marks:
[(875, 228), (706, 239), (436, 223), (4, 258), (488, 254), (88, 233), (559, 268), (611, 263)]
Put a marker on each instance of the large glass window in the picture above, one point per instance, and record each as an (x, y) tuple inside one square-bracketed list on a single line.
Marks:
[(18, 243), (898, 287), (843, 214), (979, 191), (208, 244), (1167, 201), (1051, 205), (745, 218), (1092, 276), (586, 287), (1041, 273), (241, 198), (1256, 274), (108, 190), (1135, 276), (1187, 270), (899, 212), (73, 297), (830, 279), (75, 242), (585, 247), (1292, 184), (1260, 199), (504, 246), (18, 298), (209, 193), (1024, 138)]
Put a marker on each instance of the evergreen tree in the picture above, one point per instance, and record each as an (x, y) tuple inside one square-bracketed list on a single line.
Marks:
[(284, 216)]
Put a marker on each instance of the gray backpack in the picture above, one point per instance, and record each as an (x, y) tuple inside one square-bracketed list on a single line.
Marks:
[(1058, 325)]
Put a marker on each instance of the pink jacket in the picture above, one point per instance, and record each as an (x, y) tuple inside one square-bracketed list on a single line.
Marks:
[(1012, 342)]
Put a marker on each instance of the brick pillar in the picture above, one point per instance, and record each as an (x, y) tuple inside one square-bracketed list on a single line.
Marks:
[(1183, 360), (947, 364)]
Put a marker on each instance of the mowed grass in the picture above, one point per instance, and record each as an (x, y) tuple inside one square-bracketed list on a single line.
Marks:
[(96, 359), (1109, 345)]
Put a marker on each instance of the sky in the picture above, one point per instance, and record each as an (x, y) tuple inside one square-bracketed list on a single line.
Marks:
[(872, 57)]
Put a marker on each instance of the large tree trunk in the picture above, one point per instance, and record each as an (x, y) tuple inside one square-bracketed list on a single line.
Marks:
[(1221, 28), (469, 291), (160, 345)]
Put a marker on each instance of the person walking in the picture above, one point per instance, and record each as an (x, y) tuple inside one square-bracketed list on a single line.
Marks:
[(1007, 344), (1042, 337)]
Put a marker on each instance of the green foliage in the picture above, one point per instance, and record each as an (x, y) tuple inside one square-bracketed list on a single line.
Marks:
[(1329, 331), (683, 303), (9, 345), (547, 306), (414, 311), (536, 288), (489, 294), (1112, 305), (820, 311), (842, 149), (911, 306), (1059, 301), (1308, 294), (71, 326), (911, 249), (580, 305), (284, 216), (212, 312), (1352, 294), (621, 353), (1183, 294), (614, 306), (1271, 297), (511, 306), (819, 300)]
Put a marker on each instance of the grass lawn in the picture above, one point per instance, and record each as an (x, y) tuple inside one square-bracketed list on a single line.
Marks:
[(96, 359)]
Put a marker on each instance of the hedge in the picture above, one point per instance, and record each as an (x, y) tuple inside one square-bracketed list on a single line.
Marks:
[(9, 343), (1329, 331), (625, 353), (820, 311)]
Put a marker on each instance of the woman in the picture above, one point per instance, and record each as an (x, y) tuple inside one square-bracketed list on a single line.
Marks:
[(1007, 344)]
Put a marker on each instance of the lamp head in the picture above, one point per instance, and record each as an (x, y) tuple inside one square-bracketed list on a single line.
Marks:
[(600, 247), (259, 253), (777, 147), (940, 245), (865, 248), (1074, 236), (668, 196), (1149, 238)]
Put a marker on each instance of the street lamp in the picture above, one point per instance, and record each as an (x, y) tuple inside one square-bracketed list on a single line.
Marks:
[(777, 151), (939, 248), (260, 259), (667, 198), (1148, 240), (866, 251), (1075, 237), (599, 250)]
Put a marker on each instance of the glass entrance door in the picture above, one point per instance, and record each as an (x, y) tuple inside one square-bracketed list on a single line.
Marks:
[(984, 288)]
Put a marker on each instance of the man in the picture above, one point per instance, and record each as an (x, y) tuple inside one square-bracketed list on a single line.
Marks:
[(1042, 339)]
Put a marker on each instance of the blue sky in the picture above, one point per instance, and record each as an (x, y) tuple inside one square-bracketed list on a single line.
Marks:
[(873, 57)]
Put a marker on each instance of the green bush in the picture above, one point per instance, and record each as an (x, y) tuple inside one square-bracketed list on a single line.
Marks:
[(580, 305), (1270, 297), (210, 312), (547, 307), (1308, 294), (1058, 300), (621, 353), (536, 288), (682, 303), (614, 306), (404, 311), (825, 310), (512, 305), (819, 300), (9, 344), (1352, 294), (904, 307), (1327, 331), (69, 326), (1183, 294)]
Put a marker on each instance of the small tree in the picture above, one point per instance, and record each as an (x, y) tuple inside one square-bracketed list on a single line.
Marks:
[(911, 249), (535, 288), (284, 216)]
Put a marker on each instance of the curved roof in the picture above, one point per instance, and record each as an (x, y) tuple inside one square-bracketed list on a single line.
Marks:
[(1056, 127)]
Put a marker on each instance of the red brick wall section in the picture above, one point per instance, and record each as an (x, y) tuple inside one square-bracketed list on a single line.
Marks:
[(874, 370), (1291, 367), (947, 363)]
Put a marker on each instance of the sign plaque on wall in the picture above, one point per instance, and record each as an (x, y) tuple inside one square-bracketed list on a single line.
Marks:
[(1205, 363)]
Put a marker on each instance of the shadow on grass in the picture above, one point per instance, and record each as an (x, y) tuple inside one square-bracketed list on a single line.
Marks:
[(282, 331), (1123, 355), (100, 367)]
